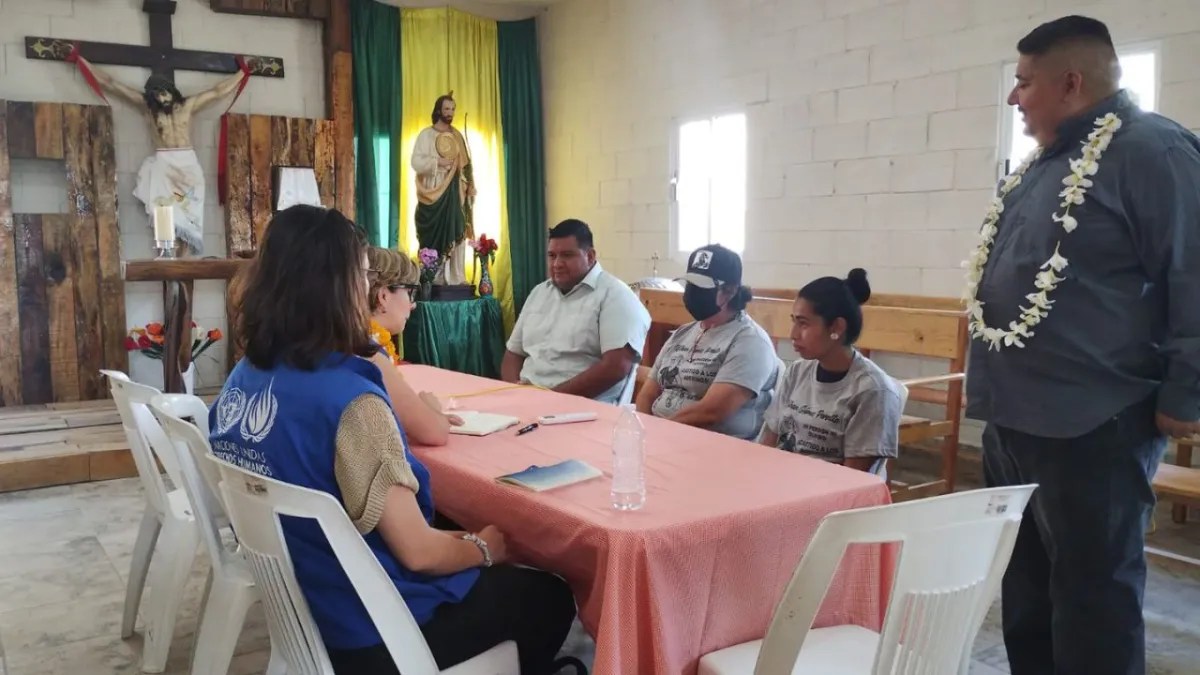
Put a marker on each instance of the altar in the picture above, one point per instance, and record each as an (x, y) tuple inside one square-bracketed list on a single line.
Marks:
[(466, 336)]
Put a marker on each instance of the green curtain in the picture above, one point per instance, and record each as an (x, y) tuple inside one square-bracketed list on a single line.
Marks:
[(375, 41), (524, 161), (466, 336)]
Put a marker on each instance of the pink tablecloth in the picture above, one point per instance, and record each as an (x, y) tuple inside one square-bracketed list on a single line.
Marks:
[(699, 568)]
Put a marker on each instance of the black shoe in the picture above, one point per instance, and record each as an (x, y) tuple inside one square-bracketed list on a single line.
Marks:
[(571, 661)]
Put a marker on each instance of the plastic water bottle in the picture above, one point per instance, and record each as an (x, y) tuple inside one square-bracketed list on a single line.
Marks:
[(629, 461)]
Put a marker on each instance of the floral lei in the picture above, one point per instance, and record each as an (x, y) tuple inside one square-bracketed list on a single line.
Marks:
[(1077, 184), (384, 337)]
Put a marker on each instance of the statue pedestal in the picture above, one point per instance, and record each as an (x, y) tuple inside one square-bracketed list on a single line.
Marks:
[(452, 292)]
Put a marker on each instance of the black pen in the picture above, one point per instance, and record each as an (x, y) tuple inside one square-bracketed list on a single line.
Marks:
[(525, 430)]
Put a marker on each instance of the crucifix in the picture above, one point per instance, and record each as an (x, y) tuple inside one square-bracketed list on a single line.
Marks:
[(171, 182)]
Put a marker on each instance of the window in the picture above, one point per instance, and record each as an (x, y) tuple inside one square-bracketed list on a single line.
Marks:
[(709, 184), (1139, 75)]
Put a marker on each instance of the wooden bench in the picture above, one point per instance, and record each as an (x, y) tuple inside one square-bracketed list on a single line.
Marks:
[(1179, 482), (935, 333)]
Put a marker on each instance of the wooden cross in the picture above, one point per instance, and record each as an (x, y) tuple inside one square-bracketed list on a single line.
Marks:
[(161, 57)]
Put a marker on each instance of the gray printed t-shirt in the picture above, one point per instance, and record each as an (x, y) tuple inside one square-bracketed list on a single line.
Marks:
[(857, 416), (736, 352)]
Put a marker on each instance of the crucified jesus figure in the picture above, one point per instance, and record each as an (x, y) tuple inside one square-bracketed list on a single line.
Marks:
[(172, 176)]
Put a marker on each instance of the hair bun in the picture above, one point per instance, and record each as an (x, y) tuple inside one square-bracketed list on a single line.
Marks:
[(859, 287)]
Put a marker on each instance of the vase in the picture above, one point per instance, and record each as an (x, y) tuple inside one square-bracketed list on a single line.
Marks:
[(426, 291), (485, 279), (189, 379)]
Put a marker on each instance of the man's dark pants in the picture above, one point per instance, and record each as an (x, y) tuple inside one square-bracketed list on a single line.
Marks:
[(1072, 595)]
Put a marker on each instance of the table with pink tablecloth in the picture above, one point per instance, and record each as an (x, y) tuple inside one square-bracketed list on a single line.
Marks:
[(700, 567)]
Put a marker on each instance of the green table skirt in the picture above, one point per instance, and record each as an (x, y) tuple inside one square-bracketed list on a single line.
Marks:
[(463, 335)]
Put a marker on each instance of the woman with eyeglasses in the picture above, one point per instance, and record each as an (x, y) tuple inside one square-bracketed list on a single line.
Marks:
[(306, 406), (392, 296)]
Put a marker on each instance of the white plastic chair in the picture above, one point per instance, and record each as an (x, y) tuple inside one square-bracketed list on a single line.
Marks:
[(255, 504), (955, 550), (231, 590), (167, 528)]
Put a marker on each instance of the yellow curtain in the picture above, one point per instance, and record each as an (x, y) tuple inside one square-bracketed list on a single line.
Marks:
[(443, 50)]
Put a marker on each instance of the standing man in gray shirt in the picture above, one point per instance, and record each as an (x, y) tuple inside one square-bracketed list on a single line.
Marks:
[(1086, 346)]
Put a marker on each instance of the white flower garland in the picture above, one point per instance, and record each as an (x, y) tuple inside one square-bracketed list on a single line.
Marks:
[(1077, 184)]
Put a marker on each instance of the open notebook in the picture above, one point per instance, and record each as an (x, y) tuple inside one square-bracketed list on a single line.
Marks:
[(481, 423)]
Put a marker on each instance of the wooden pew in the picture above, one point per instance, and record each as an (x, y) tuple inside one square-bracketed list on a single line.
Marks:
[(924, 332)]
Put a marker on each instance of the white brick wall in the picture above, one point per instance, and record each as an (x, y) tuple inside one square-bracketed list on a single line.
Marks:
[(873, 123), (890, 107), (300, 94)]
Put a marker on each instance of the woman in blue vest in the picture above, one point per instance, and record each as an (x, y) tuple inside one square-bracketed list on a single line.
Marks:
[(306, 406)]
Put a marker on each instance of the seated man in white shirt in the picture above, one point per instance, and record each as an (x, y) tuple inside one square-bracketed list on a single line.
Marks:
[(582, 331)]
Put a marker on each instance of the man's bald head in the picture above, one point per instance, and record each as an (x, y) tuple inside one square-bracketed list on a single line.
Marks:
[(1067, 66)]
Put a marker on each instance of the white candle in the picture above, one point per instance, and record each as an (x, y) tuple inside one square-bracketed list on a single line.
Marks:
[(164, 222)]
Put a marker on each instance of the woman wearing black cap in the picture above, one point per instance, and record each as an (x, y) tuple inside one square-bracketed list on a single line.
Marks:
[(834, 403), (717, 372)]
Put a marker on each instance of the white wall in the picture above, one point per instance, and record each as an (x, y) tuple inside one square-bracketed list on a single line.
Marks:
[(299, 94), (873, 124)]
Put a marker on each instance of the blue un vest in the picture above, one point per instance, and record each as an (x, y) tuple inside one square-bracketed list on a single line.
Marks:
[(282, 423)]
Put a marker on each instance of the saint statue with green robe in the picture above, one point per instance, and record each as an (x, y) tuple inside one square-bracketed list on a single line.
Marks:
[(445, 192)]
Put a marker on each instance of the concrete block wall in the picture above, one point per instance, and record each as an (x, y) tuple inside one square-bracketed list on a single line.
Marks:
[(37, 188), (873, 125)]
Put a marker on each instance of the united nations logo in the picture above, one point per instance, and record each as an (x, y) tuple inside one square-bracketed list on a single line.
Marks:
[(260, 415), (230, 408)]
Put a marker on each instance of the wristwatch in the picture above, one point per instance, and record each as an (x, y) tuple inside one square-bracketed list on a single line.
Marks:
[(482, 546)]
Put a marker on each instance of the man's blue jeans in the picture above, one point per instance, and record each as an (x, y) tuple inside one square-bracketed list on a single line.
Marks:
[(1072, 595)]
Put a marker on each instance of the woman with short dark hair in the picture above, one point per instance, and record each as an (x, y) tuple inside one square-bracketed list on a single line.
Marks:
[(307, 406), (834, 403)]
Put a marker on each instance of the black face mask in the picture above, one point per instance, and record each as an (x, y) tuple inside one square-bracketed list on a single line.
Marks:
[(701, 303)]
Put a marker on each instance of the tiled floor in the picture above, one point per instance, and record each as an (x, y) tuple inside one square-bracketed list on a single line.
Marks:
[(65, 551)]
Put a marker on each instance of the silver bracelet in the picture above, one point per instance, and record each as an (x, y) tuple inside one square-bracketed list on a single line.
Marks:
[(482, 546)]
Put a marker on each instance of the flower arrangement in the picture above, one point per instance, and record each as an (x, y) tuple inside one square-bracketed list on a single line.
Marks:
[(150, 339), (430, 261), (1045, 281), (485, 247)]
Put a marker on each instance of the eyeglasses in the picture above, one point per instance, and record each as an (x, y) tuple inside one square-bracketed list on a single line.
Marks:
[(411, 288)]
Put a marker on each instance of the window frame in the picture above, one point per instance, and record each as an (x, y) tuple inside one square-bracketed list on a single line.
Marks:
[(677, 124), (1008, 76)]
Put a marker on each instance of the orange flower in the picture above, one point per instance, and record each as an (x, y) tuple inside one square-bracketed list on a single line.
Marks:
[(154, 329), (157, 339), (215, 334)]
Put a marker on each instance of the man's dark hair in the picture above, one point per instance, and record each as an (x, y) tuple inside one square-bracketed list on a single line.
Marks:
[(156, 84), (573, 227), (1062, 32), (304, 296), (437, 107)]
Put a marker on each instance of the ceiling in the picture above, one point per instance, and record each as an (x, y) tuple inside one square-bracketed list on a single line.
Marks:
[(501, 10)]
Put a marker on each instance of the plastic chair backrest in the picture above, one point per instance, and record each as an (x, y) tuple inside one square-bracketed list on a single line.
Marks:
[(147, 441), (954, 552), (255, 504), (200, 478)]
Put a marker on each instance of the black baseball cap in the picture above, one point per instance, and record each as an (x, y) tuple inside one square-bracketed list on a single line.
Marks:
[(713, 265)]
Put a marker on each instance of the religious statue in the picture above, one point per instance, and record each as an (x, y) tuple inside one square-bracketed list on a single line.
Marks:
[(445, 192), (172, 176)]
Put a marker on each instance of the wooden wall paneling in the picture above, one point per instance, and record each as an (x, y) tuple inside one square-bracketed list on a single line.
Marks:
[(281, 144), (260, 175), (36, 386), (239, 229), (108, 237), (324, 141), (60, 272), (10, 333), (343, 102), (302, 142), (48, 130), (89, 328), (22, 136)]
